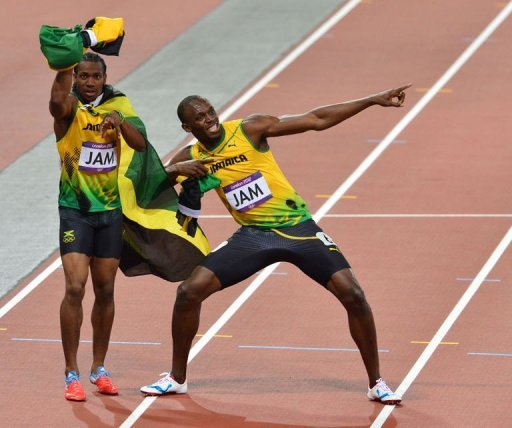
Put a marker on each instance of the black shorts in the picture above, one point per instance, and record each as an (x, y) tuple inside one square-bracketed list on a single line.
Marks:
[(251, 249), (98, 234)]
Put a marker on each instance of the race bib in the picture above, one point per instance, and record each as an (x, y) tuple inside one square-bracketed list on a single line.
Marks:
[(248, 193), (97, 158), (326, 239)]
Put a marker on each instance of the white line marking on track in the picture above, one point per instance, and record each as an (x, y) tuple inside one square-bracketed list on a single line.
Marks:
[(457, 216), (472, 279), (490, 354), (445, 327), (30, 287), (420, 363), (302, 348), (112, 342)]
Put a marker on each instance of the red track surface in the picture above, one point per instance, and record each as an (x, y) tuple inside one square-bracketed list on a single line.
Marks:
[(452, 159)]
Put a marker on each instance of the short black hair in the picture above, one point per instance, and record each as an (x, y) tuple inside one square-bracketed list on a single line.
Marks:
[(185, 102), (91, 57)]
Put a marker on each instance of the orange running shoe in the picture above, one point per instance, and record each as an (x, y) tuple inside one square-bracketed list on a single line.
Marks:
[(74, 390), (103, 381)]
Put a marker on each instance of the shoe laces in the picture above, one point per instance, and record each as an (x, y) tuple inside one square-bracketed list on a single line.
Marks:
[(381, 384), (165, 379), (101, 372), (72, 376)]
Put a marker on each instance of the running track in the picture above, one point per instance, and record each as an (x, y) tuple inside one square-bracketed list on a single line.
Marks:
[(417, 200)]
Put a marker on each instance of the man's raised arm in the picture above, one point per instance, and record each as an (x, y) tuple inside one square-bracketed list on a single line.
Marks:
[(259, 127), (61, 102)]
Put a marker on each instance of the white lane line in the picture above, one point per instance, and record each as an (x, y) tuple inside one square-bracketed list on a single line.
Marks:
[(456, 216), (30, 287), (303, 348), (490, 354), (471, 49), (445, 327), (112, 342)]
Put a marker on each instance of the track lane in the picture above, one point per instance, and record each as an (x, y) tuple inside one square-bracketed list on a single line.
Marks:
[(227, 401)]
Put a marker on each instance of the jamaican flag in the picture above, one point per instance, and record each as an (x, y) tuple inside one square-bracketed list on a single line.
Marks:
[(63, 48), (155, 238)]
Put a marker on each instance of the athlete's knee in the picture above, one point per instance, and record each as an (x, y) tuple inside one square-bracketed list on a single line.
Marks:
[(356, 299), (190, 293), (104, 293), (103, 289), (75, 291), (345, 287), (186, 296), (196, 288)]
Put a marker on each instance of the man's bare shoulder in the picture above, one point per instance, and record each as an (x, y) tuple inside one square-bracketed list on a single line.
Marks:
[(256, 125)]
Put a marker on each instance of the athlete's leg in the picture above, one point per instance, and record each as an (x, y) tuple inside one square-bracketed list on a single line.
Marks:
[(347, 290), (76, 268), (322, 260), (241, 256), (103, 273), (107, 248), (185, 317)]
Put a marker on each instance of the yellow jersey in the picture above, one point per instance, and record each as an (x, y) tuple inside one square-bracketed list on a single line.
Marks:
[(253, 188), (89, 162)]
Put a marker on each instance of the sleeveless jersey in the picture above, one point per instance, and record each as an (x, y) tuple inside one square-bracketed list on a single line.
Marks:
[(89, 163), (253, 188)]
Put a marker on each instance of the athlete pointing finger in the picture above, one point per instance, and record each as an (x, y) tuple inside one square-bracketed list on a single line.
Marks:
[(276, 225)]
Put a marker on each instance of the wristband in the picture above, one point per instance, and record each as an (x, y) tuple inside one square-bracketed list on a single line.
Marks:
[(89, 38)]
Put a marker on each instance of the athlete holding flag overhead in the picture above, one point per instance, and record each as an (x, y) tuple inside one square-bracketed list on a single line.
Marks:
[(111, 178)]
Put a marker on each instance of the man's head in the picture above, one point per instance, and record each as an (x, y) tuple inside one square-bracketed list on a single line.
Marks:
[(199, 117), (90, 76)]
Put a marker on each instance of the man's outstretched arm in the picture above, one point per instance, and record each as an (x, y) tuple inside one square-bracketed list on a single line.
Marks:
[(260, 127)]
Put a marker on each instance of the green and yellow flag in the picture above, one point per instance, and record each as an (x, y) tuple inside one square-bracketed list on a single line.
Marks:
[(154, 242), (63, 48)]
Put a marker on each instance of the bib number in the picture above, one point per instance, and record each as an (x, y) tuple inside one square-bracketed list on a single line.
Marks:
[(248, 193), (97, 158), (326, 239)]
